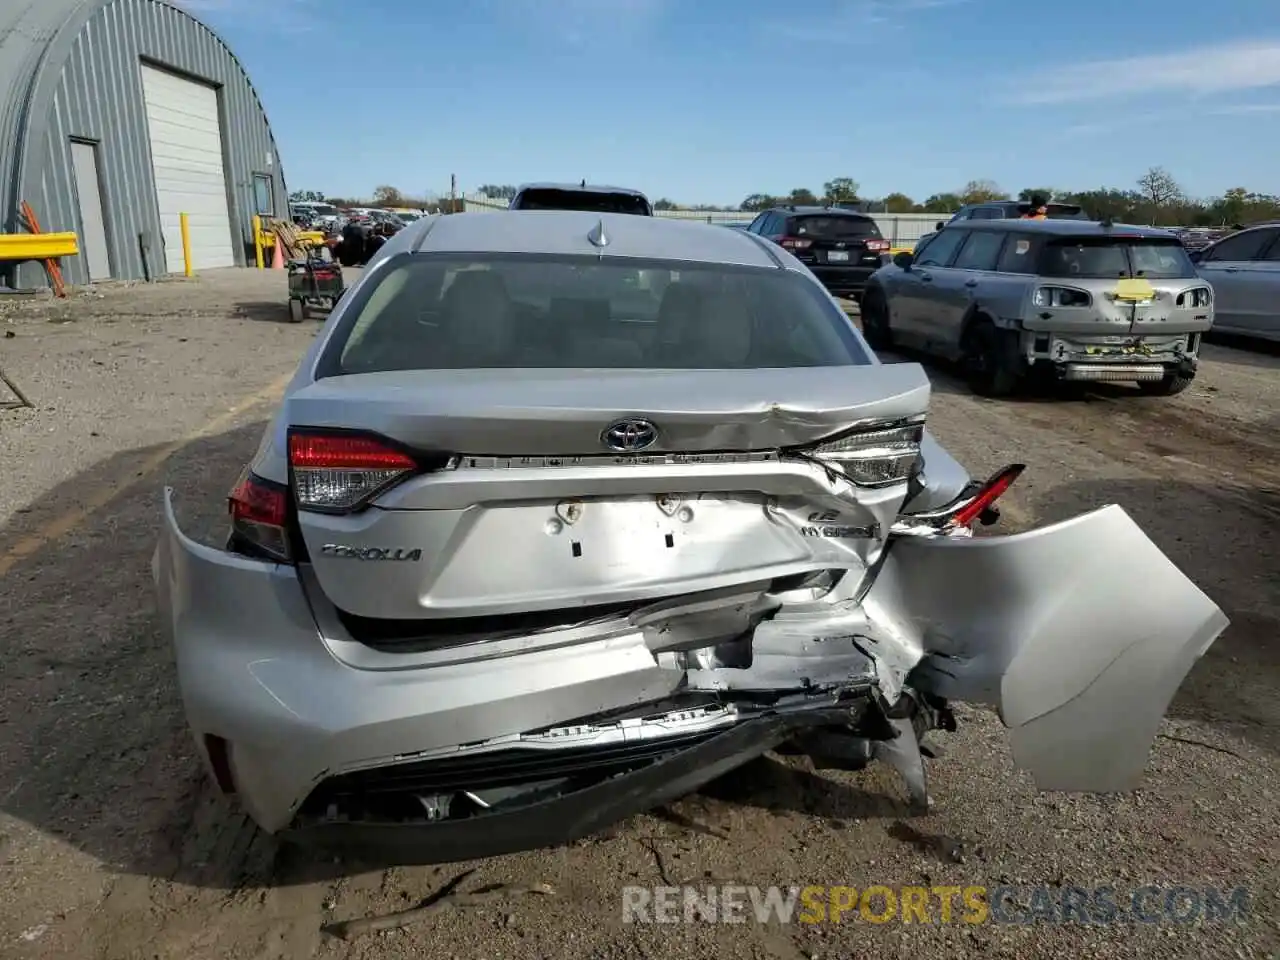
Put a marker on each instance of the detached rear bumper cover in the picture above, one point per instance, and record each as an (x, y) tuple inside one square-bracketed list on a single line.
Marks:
[(1079, 633)]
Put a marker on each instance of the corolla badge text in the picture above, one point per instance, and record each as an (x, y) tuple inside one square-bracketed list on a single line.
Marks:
[(346, 552)]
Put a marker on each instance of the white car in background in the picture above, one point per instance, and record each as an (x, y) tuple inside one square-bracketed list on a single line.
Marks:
[(1244, 271)]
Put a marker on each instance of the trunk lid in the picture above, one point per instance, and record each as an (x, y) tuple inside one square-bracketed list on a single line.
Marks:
[(552, 412), (539, 515)]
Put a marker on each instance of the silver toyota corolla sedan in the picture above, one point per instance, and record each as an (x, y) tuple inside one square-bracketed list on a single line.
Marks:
[(565, 514)]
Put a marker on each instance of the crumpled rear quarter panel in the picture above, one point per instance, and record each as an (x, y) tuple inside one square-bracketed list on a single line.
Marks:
[(1080, 633)]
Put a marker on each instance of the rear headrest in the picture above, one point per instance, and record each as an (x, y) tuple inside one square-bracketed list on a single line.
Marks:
[(475, 283), (680, 303)]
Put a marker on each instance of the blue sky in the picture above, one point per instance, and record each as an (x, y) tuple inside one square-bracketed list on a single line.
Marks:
[(708, 101)]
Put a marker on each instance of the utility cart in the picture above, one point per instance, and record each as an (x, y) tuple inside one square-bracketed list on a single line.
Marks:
[(315, 281)]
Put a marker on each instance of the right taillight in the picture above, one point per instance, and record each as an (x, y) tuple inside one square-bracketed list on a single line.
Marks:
[(260, 517), (876, 454), (338, 472), (1061, 297)]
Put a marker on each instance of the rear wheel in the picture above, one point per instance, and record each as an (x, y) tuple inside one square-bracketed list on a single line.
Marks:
[(991, 365), (875, 320), (297, 311), (1170, 385)]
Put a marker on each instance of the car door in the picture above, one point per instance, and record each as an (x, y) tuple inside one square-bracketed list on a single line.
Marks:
[(956, 287), (1228, 265), (1264, 293), (1261, 292), (915, 300)]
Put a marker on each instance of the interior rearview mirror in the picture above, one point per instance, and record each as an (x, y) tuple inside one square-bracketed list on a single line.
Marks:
[(903, 260)]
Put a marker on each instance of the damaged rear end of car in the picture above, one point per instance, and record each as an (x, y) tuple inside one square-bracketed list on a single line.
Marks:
[(490, 591)]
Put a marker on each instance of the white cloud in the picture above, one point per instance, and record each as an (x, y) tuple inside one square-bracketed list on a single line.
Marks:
[(1239, 109), (856, 20), (1241, 65)]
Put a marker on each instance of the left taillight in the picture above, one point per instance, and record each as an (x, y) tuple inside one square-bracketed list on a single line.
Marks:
[(260, 518), (337, 472), (794, 243)]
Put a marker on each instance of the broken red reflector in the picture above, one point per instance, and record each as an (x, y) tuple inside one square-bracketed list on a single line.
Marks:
[(987, 495)]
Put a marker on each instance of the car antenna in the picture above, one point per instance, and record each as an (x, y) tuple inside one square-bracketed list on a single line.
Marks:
[(1107, 222), (598, 237), (583, 184)]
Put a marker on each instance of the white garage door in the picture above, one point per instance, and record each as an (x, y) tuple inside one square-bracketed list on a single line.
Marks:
[(186, 154)]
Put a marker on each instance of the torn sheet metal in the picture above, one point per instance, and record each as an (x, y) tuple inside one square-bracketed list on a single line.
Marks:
[(1079, 633)]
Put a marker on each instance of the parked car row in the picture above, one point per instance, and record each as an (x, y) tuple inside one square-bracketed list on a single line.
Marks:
[(332, 220)]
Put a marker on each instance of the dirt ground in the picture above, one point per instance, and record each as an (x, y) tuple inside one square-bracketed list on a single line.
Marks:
[(113, 845)]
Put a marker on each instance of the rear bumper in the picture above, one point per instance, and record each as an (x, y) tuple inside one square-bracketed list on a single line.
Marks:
[(1042, 625), (1117, 370), (1140, 357), (559, 820), (843, 279)]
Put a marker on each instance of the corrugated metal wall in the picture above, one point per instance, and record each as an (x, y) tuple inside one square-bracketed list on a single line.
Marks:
[(99, 98)]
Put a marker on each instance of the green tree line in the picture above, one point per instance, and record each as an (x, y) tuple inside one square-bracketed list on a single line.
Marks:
[(1156, 198)]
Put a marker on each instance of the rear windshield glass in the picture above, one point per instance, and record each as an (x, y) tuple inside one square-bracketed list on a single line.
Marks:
[(1062, 211), (1103, 257), (433, 312), (1055, 211), (835, 228), (582, 200)]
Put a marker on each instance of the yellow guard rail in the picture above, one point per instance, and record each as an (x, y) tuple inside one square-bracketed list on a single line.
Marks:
[(38, 246)]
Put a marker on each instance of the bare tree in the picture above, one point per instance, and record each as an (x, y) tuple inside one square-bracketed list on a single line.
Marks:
[(1159, 189)]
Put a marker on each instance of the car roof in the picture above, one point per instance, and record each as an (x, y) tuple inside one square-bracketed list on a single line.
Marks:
[(1068, 228), (824, 211), (1018, 204), (581, 188), (565, 232)]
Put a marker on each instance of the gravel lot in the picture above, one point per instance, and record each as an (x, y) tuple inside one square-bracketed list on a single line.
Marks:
[(114, 846)]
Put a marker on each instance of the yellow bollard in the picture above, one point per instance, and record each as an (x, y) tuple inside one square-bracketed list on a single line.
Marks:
[(257, 241), (186, 244)]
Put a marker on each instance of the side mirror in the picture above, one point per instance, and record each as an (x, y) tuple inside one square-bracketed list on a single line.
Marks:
[(903, 260), (1197, 256), (939, 225)]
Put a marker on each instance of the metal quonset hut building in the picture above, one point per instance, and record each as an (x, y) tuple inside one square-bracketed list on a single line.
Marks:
[(116, 116)]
